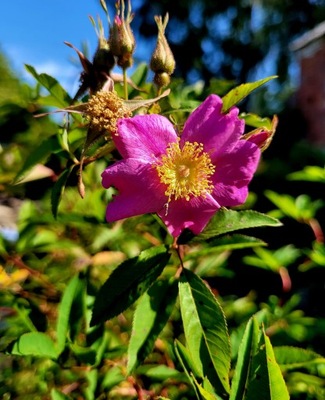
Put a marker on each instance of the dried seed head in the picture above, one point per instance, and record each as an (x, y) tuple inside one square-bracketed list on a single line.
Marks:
[(104, 109)]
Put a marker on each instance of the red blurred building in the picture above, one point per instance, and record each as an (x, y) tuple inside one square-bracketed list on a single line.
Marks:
[(310, 51)]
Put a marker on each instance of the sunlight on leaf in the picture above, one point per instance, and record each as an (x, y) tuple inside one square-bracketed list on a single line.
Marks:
[(128, 282), (150, 317), (205, 330), (247, 349), (37, 344), (60, 96), (240, 92), (225, 221), (38, 156), (266, 380)]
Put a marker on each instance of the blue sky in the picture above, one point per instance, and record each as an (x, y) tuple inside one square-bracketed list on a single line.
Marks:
[(33, 32)]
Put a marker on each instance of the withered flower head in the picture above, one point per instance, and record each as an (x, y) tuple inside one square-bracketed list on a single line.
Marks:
[(104, 109), (97, 72), (103, 60), (262, 137)]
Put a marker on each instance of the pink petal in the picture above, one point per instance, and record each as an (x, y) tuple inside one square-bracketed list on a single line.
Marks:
[(144, 137), (217, 131), (233, 173), (193, 214), (139, 189)]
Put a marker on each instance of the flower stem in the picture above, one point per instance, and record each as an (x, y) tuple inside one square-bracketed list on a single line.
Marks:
[(125, 83), (180, 252), (317, 229)]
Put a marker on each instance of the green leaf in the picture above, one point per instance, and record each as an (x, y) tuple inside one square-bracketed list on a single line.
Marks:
[(227, 243), (256, 121), (56, 395), (58, 190), (316, 255), (160, 372), (225, 221), (138, 77), (92, 381), (150, 317), (40, 239), (273, 260), (247, 349), (112, 377), (240, 92), (59, 95), (205, 395), (205, 331), (85, 355), (289, 357), (186, 361), (309, 173), (266, 380), (38, 156), (36, 344), (127, 282), (64, 311), (300, 208)]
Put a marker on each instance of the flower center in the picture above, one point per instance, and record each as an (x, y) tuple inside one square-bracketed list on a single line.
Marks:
[(186, 171)]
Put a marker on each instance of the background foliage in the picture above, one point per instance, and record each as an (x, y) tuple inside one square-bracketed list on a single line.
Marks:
[(235, 40)]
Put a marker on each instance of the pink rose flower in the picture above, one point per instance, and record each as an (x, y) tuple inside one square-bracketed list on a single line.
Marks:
[(184, 180)]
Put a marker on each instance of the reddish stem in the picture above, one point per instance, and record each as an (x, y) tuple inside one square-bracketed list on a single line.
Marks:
[(317, 229), (285, 278)]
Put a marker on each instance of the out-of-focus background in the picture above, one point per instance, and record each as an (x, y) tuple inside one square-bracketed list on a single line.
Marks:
[(239, 41), (217, 45)]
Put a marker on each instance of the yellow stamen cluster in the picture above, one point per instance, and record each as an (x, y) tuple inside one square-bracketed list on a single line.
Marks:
[(104, 109), (186, 171)]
